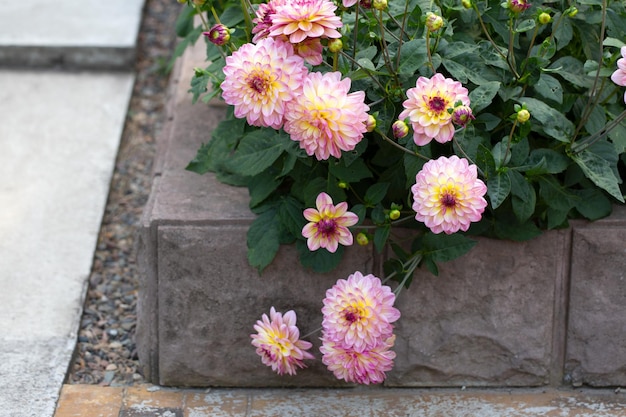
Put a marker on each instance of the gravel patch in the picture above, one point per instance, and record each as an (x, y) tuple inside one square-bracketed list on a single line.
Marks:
[(106, 353)]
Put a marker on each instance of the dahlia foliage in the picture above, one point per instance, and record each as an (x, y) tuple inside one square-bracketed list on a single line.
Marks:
[(350, 119)]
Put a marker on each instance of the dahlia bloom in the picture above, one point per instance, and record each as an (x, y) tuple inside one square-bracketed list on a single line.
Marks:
[(261, 79), (363, 366), (263, 20), (328, 225), (619, 76), (301, 19), (518, 6), (427, 107), (359, 311), (448, 195), (278, 342), (310, 49), (325, 119)]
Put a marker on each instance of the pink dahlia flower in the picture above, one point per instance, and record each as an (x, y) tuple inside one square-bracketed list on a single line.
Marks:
[(427, 107), (301, 19), (311, 50), (619, 76), (263, 20), (363, 366), (328, 225), (448, 195), (261, 79), (278, 342), (325, 119), (359, 311)]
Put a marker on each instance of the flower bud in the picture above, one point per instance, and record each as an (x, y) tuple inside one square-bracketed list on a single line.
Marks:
[(462, 115), (362, 239), (394, 214), (399, 129), (379, 4), (523, 115), (544, 18), (572, 11), (342, 184), (467, 4), (370, 125), (218, 35), (433, 22), (366, 4), (335, 45), (518, 6)]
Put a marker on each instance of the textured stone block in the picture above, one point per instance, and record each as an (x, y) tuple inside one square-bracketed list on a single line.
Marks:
[(596, 338), (488, 319)]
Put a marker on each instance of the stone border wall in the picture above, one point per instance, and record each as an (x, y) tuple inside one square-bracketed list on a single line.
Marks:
[(551, 311)]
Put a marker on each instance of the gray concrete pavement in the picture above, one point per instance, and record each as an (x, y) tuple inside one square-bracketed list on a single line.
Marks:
[(59, 134)]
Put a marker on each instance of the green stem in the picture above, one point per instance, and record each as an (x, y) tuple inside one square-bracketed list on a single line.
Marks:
[(353, 61)]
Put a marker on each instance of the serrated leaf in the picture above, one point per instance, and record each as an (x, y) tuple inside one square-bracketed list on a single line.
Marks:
[(357, 170), (184, 21), (555, 195), (525, 25), (443, 248), (524, 197), (498, 188), (261, 186), (482, 96), (263, 240), (552, 121), (598, 169), (593, 204), (290, 215), (376, 193), (257, 151), (555, 162), (414, 56), (549, 88), (380, 237)]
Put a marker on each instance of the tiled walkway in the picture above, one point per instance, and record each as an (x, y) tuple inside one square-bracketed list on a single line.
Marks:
[(152, 401)]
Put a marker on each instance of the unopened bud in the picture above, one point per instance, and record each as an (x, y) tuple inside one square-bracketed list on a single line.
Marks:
[(544, 18), (342, 184), (399, 129), (370, 125), (467, 3), (523, 115), (366, 4), (518, 6), (433, 22), (218, 35), (572, 11), (335, 45), (462, 115), (394, 214), (379, 4), (362, 239)]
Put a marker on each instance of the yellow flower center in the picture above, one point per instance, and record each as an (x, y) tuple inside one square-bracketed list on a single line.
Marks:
[(355, 312), (448, 196), (259, 81)]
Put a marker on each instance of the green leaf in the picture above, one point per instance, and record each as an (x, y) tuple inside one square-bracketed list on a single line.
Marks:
[(320, 261), (507, 227), (552, 121), (413, 55), (555, 195), (380, 237), (290, 215), (467, 68), (376, 193), (618, 137), (525, 25), (498, 188), (443, 248), (563, 32), (199, 84), (232, 16), (549, 88), (263, 240), (524, 197), (257, 151), (357, 170), (184, 21), (261, 186), (555, 162), (598, 162), (593, 204), (571, 70), (482, 96)]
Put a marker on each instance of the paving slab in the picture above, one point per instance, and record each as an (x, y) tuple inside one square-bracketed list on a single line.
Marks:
[(80, 33), (59, 135), (151, 401)]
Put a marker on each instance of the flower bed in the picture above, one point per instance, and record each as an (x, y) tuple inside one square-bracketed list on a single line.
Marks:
[(543, 312)]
